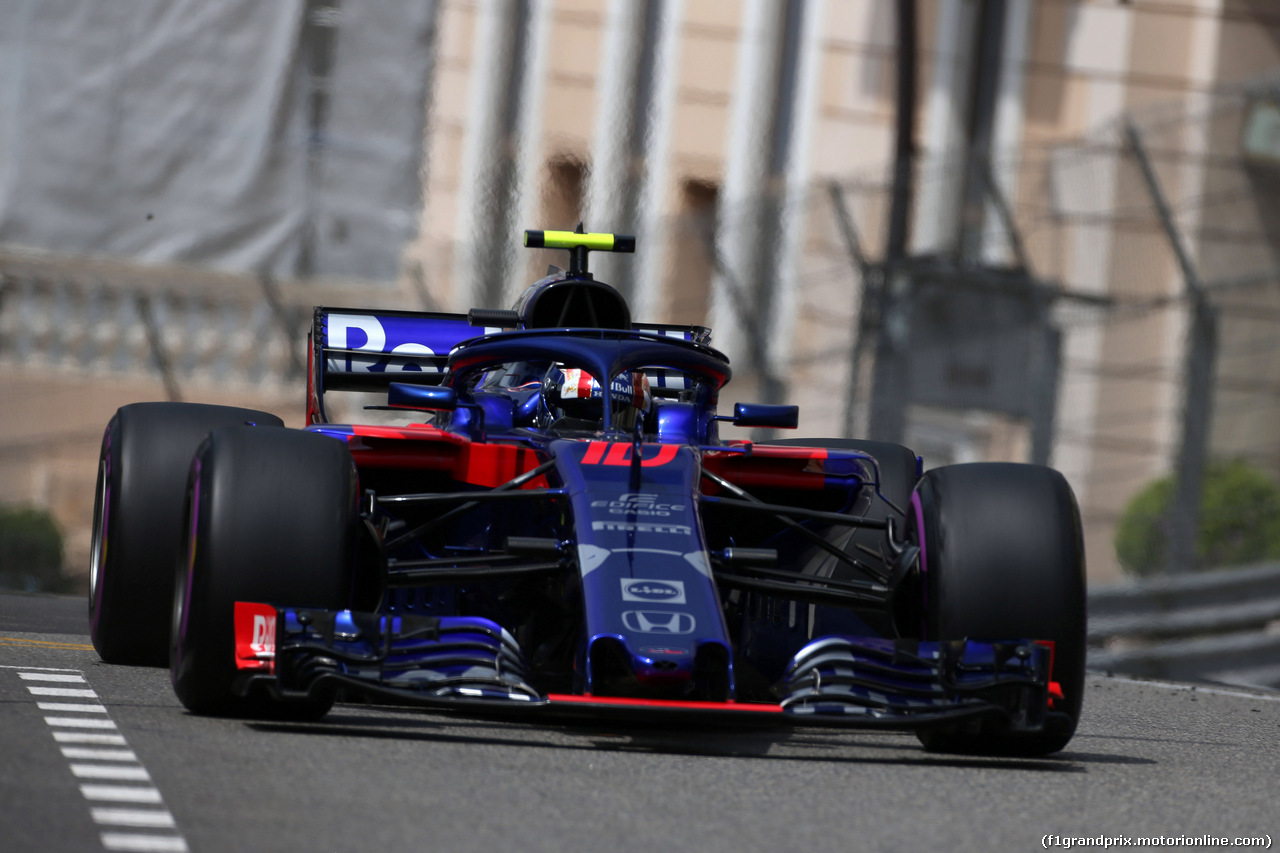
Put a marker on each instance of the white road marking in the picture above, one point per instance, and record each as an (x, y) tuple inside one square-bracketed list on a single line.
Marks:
[(39, 668), (109, 765), (71, 708), (68, 692), (81, 753), (120, 794), (144, 843), (111, 771), (79, 723), (155, 818), (88, 737)]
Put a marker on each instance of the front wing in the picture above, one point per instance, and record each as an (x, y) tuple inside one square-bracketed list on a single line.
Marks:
[(471, 664)]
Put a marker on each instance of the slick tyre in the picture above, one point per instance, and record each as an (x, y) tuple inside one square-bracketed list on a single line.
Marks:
[(1002, 557), (271, 517), (137, 522)]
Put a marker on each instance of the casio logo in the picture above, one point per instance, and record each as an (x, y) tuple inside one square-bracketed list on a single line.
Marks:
[(635, 503)]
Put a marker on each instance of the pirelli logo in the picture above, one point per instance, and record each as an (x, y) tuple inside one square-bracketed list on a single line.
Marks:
[(643, 527)]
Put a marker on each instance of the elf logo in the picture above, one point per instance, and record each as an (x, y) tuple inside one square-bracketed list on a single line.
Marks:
[(652, 590)]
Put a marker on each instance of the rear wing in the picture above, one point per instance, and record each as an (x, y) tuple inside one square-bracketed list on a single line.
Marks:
[(360, 350), (354, 349)]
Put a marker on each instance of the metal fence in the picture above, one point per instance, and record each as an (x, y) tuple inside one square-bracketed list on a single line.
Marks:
[(1221, 626), (1153, 245)]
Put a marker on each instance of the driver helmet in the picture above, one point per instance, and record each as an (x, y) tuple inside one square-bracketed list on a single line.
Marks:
[(574, 398)]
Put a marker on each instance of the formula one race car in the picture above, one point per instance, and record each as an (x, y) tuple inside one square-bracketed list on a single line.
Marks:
[(557, 529)]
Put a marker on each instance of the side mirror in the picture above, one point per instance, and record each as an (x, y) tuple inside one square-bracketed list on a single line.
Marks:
[(764, 415), (429, 398)]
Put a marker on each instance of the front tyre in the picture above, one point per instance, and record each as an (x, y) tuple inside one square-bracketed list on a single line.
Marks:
[(137, 522), (1002, 555), (271, 518)]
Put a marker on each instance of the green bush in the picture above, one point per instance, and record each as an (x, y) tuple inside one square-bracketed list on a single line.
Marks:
[(30, 550), (1239, 521)]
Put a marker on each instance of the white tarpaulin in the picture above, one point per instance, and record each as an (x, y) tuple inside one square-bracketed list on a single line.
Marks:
[(188, 131)]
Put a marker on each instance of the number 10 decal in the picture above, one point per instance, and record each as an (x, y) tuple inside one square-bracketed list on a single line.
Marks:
[(619, 453)]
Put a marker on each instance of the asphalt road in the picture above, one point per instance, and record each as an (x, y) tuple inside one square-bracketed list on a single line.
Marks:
[(1149, 759)]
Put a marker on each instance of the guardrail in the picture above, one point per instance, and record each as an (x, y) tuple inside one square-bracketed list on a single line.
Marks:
[(1221, 626)]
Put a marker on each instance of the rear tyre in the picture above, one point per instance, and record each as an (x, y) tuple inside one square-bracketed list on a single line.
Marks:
[(1002, 556), (271, 518), (137, 522)]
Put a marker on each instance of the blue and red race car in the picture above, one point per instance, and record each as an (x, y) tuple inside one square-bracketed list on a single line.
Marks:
[(554, 526)]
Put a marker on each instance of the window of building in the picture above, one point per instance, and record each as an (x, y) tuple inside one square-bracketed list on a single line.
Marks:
[(692, 261)]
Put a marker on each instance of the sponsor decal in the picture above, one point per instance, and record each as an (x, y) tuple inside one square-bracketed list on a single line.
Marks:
[(639, 504), (590, 557), (664, 651), (643, 527), (391, 335), (255, 632), (619, 453), (367, 334), (264, 635), (700, 561), (653, 590), (659, 622)]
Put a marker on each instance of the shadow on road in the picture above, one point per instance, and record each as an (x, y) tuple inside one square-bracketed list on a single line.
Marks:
[(802, 745)]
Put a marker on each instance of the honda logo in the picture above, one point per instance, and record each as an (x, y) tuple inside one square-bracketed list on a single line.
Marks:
[(658, 622)]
